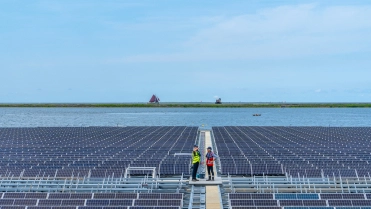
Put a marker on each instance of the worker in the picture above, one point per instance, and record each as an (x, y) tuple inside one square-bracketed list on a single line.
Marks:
[(210, 158), (196, 157)]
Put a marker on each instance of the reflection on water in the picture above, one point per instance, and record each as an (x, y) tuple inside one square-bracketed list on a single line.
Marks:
[(33, 117)]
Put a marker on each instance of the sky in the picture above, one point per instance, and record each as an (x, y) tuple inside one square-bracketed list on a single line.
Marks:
[(185, 51)]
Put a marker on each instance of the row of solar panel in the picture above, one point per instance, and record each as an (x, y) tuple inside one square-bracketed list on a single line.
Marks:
[(175, 169), (94, 202), (326, 207), (245, 169), (304, 196), (300, 203), (247, 207), (90, 207), (130, 196)]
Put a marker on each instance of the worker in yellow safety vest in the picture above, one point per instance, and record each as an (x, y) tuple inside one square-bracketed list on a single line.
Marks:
[(196, 157)]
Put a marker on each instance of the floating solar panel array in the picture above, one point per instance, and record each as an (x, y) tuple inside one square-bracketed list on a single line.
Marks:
[(299, 201), (93, 151), (298, 151), (99, 200)]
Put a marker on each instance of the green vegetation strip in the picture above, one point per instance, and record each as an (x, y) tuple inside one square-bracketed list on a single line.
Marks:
[(202, 105)]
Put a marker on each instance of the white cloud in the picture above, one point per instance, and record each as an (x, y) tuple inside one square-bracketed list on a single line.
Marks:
[(276, 33)]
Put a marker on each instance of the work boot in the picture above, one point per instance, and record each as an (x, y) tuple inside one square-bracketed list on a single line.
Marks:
[(209, 178)]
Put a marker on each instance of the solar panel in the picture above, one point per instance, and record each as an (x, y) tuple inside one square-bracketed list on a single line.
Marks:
[(121, 202), (291, 203), (149, 196), (285, 196), (331, 196), (169, 202), (265, 203), (14, 195), (104, 196), (142, 202), (59, 196), (73, 202), (361, 202), (239, 196), (295, 149), (81, 196), (353, 196), (6, 201), (242, 203), (13, 207), (126, 196), (55, 151), (340, 202), (261, 196), (307, 196), (142, 207), (25, 202), (96, 202), (50, 202), (314, 203), (349, 207), (171, 196), (247, 207), (36, 195)]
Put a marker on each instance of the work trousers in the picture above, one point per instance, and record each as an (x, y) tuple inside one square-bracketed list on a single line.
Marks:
[(210, 170), (195, 168)]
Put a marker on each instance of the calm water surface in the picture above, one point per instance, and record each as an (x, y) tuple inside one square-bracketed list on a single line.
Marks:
[(33, 117)]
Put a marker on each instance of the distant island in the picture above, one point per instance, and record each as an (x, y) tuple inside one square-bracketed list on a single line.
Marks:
[(193, 105)]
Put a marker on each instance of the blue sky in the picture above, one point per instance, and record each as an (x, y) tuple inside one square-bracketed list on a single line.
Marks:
[(185, 51)]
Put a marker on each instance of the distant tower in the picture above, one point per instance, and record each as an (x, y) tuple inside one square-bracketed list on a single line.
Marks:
[(154, 99)]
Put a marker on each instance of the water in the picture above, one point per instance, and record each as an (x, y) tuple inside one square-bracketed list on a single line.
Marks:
[(33, 117)]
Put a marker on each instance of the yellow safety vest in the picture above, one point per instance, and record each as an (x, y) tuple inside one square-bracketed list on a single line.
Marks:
[(196, 157)]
